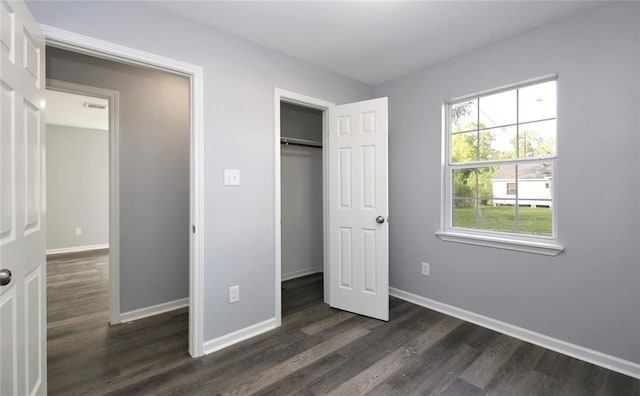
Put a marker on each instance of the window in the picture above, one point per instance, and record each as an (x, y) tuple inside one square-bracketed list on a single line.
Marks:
[(500, 160)]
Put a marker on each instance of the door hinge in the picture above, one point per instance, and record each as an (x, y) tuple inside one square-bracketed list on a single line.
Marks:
[(193, 229)]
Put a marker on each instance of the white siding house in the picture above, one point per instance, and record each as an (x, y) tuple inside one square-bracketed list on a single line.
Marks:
[(533, 185)]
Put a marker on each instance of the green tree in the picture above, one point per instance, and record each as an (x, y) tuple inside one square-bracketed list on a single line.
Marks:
[(531, 144), (465, 146)]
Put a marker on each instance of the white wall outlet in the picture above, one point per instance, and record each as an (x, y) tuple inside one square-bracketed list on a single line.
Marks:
[(231, 177), (78, 231), (234, 294), (426, 269)]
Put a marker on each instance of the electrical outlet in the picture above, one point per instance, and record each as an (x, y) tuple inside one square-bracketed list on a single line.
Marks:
[(78, 231), (234, 294), (426, 269)]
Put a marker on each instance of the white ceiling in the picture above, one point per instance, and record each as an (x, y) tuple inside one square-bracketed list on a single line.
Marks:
[(69, 110), (375, 41)]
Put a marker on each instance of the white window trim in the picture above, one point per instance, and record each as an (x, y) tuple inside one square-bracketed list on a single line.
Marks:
[(544, 245), (517, 244)]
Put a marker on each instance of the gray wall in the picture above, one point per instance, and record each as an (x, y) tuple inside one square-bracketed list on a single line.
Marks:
[(300, 122), (77, 186), (590, 294), (301, 192), (154, 174), (240, 79)]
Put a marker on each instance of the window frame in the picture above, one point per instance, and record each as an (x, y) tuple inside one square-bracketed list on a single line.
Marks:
[(531, 243)]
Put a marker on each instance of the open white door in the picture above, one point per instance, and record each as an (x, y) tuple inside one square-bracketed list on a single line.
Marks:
[(358, 208), (22, 240)]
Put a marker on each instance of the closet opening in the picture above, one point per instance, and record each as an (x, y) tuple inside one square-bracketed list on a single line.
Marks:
[(302, 207), (302, 246)]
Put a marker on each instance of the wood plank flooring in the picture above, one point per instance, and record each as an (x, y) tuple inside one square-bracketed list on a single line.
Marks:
[(317, 350)]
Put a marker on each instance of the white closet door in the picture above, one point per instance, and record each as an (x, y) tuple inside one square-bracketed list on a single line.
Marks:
[(358, 208)]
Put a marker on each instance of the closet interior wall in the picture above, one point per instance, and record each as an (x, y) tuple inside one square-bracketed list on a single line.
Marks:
[(301, 191)]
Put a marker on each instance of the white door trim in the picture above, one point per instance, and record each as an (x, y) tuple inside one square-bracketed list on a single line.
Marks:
[(114, 183), (282, 95), (103, 49)]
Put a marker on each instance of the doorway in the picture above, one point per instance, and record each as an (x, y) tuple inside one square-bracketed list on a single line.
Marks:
[(106, 50), (151, 177), (302, 206), (301, 190), (78, 171), (305, 161), (82, 183)]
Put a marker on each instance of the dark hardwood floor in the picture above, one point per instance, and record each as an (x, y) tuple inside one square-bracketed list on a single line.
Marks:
[(317, 350)]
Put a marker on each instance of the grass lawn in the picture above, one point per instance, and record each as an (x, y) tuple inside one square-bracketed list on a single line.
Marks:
[(503, 218)]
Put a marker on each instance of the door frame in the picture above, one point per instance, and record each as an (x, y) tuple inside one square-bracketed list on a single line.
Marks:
[(114, 182), (282, 95), (75, 42)]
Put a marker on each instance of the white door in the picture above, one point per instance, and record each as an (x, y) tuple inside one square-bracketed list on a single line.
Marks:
[(358, 208), (22, 243)]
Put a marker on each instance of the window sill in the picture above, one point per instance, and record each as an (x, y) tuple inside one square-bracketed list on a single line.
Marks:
[(547, 249)]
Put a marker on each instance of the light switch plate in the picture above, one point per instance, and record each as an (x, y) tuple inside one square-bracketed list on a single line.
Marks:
[(234, 294), (426, 269), (231, 177)]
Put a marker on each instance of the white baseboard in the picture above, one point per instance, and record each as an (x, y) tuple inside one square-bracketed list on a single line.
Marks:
[(232, 338), (75, 249), (153, 310), (299, 273), (588, 355)]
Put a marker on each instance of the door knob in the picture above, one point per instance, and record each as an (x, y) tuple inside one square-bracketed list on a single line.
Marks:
[(5, 277), (380, 219)]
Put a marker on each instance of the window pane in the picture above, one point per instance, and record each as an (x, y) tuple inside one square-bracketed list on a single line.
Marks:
[(537, 102), (485, 184), (497, 218), (503, 183), (498, 143), (472, 191), (533, 179), (536, 220), (464, 116), (499, 109), (535, 198), (464, 147), (537, 139), (464, 183), (464, 213), (476, 183)]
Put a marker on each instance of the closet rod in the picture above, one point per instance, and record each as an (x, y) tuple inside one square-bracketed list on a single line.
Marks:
[(300, 142)]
